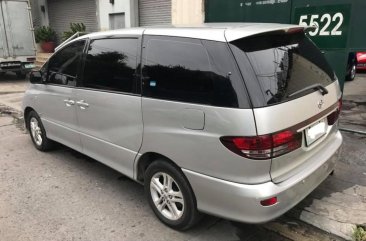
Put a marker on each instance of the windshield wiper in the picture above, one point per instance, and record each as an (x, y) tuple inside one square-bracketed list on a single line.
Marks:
[(318, 87)]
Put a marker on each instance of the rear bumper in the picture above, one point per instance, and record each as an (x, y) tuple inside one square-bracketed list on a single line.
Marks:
[(15, 70), (19, 66), (241, 202)]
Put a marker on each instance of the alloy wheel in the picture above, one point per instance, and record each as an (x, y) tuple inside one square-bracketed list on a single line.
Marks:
[(36, 131), (167, 196), (353, 72)]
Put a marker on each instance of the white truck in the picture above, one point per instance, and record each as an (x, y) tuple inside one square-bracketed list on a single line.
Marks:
[(17, 43)]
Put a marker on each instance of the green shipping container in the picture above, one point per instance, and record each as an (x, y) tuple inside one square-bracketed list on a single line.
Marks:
[(340, 23)]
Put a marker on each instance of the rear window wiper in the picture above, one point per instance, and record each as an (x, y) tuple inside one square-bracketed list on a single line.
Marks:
[(318, 87)]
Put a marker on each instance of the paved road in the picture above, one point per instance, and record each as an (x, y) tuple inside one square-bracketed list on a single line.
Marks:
[(64, 195), (12, 90)]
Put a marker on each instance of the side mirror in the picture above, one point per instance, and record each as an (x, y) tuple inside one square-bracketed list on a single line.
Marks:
[(35, 77)]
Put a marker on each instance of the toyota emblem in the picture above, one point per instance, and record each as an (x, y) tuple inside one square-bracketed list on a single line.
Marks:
[(320, 104)]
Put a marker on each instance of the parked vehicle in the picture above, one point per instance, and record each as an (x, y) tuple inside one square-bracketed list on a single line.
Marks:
[(361, 61), (237, 121), (17, 45)]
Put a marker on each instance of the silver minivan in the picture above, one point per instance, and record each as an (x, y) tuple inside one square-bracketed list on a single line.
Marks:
[(239, 121)]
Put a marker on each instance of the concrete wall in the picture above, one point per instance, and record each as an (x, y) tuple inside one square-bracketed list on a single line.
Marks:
[(39, 18), (128, 7), (188, 11), (183, 12)]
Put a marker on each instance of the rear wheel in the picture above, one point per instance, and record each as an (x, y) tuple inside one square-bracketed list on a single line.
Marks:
[(38, 133), (170, 195)]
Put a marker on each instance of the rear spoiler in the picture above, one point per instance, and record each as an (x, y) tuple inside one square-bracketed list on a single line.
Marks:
[(238, 33)]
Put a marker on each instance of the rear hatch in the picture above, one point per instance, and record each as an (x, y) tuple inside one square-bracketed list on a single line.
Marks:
[(295, 97)]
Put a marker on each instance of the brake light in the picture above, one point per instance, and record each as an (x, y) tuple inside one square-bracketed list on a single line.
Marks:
[(333, 117), (253, 143), (264, 146), (295, 30)]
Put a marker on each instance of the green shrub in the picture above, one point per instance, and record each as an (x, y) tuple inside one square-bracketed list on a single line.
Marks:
[(359, 234), (74, 28), (45, 34)]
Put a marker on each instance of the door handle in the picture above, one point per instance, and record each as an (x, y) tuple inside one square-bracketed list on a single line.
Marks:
[(82, 104), (69, 102)]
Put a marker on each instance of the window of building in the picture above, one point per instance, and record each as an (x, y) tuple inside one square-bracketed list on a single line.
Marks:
[(116, 20)]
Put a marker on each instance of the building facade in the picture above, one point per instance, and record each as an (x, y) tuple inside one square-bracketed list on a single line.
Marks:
[(102, 15)]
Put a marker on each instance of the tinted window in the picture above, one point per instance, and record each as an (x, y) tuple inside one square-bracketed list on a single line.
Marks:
[(283, 64), (110, 65), (63, 66), (229, 86), (184, 70)]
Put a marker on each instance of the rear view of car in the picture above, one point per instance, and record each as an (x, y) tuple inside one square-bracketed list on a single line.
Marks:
[(296, 101), (270, 154)]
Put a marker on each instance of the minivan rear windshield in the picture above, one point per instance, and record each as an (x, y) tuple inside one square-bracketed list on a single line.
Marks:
[(281, 64)]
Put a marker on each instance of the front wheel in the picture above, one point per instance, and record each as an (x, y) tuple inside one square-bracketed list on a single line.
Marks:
[(38, 133), (170, 195), (352, 74)]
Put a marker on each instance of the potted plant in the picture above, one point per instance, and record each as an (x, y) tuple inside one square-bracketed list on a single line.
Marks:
[(46, 36), (38, 44), (74, 28)]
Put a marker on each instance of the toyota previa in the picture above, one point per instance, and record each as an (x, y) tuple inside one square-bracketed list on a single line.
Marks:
[(235, 120)]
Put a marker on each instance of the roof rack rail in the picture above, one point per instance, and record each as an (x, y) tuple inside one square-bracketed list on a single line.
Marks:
[(75, 35)]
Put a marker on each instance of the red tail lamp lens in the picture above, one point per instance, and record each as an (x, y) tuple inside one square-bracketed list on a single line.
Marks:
[(282, 138), (264, 146), (333, 117), (269, 202), (253, 143)]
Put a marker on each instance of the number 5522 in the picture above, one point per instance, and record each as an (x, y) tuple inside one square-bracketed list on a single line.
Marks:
[(322, 23)]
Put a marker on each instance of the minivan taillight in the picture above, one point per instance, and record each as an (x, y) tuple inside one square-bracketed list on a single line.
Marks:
[(333, 117), (264, 146)]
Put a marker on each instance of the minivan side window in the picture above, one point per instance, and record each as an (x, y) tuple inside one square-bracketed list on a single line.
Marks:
[(182, 69), (110, 64), (63, 66)]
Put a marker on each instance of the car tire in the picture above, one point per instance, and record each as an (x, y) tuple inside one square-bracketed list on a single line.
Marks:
[(352, 73), (166, 187), (20, 75), (38, 133)]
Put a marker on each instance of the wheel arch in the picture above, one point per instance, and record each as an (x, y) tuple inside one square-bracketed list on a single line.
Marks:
[(145, 161), (27, 110)]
